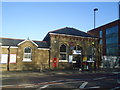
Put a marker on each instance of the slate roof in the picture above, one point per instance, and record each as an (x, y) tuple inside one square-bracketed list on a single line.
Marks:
[(69, 31), (15, 42)]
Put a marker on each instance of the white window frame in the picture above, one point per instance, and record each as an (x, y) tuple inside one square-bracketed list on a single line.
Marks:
[(63, 53), (27, 59)]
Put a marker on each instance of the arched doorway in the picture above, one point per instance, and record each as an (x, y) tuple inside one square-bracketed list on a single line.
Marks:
[(77, 57)]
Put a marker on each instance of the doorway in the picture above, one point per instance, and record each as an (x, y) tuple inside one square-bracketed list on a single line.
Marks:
[(77, 59)]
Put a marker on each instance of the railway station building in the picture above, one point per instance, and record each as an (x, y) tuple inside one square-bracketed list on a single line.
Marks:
[(65, 48)]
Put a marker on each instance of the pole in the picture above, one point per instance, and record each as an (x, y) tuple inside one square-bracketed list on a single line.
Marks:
[(119, 9), (94, 16), (94, 19), (95, 9), (8, 58)]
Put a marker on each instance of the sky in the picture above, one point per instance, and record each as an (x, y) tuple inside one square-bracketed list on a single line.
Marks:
[(35, 19)]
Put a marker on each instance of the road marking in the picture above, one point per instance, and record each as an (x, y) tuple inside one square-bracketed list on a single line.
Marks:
[(115, 72), (45, 83), (7, 85), (115, 88), (45, 86), (95, 87), (99, 78), (83, 85), (57, 81)]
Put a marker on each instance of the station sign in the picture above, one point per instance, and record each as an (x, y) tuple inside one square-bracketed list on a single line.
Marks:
[(77, 52)]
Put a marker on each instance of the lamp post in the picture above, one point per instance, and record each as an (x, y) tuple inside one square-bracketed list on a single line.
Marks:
[(95, 9), (119, 10)]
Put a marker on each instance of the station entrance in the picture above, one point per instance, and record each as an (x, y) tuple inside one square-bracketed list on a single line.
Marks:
[(77, 61)]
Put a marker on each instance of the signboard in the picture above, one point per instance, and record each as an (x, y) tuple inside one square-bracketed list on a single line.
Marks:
[(12, 58), (77, 52), (73, 61), (4, 58), (70, 58), (84, 58)]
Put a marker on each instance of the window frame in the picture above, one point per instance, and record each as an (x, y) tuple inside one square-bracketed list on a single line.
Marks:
[(64, 53), (29, 59)]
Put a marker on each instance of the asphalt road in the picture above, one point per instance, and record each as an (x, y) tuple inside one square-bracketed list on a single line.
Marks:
[(78, 81)]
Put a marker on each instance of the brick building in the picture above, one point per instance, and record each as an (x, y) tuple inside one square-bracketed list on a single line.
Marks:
[(64, 48), (110, 42)]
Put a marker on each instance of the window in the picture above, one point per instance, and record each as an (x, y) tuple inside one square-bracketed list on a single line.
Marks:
[(27, 54), (100, 35), (63, 52), (112, 41)]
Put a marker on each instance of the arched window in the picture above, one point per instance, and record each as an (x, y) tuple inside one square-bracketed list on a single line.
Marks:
[(27, 54), (63, 48), (63, 52)]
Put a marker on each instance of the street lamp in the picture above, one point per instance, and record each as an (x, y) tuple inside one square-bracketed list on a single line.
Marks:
[(119, 9), (95, 9)]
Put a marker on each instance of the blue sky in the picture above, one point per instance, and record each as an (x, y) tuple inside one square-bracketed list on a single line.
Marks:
[(36, 19)]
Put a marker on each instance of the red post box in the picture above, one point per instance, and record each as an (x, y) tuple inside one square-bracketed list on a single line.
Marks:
[(54, 62)]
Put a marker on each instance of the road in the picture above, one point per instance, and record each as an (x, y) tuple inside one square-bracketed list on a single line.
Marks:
[(72, 81)]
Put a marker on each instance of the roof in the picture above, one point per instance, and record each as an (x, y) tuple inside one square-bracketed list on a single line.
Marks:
[(106, 25), (69, 31), (15, 42)]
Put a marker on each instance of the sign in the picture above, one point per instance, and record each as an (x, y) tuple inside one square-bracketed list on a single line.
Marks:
[(84, 58), (70, 58), (4, 58), (77, 52), (73, 61), (12, 58)]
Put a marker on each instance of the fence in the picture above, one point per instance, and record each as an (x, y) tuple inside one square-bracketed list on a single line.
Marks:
[(110, 61)]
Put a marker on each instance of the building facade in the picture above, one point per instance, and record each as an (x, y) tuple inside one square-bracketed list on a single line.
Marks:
[(23, 54), (110, 42), (65, 48)]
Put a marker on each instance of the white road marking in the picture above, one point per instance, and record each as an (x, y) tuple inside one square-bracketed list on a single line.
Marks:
[(45, 86), (45, 83), (115, 72), (57, 81), (95, 87), (7, 85), (99, 78), (64, 82), (115, 88), (83, 85)]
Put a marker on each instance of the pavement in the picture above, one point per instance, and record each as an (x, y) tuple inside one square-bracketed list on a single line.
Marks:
[(13, 74)]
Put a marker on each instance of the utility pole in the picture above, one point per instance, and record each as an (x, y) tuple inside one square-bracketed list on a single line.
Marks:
[(8, 59)]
